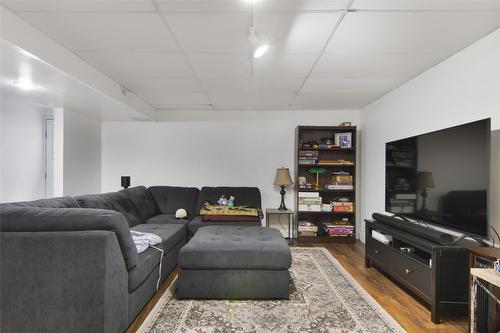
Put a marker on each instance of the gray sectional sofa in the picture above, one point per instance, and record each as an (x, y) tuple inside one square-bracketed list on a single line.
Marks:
[(70, 265)]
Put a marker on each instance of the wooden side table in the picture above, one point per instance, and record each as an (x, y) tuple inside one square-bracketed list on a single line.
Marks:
[(290, 227)]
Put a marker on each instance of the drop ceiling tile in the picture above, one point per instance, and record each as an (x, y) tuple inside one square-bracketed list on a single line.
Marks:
[(97, 31), (300, 5), (334, 101), (214, 32), (250, 99), (197, 6), (253, 84), (351, 85), (422, 31), (158, 85), (163, 99), (220, 65), (159, 65), (402, 65), (78, 5), (387, 5), (284, 65), (219, 6), (295, 32)]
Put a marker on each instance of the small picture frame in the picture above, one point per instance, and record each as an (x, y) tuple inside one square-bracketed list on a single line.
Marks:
[(343, 140)]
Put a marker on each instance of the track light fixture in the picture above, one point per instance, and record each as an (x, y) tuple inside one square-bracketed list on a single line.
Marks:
[(259, 48)]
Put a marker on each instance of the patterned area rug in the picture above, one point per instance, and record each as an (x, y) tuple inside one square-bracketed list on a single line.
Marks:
[(323, 298)]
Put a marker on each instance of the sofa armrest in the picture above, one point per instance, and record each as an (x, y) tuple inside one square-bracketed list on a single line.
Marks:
[(34, 219), (64, 281)]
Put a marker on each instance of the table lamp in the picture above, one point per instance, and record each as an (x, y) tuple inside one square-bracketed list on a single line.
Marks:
[(282, 179), (424, 181)]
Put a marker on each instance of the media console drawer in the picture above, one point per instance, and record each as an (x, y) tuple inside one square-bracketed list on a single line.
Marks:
[(414, 273), (378, 252)]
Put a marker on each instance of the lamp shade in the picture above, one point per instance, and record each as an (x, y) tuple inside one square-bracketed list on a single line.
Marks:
[(425, 179), (283, 177)]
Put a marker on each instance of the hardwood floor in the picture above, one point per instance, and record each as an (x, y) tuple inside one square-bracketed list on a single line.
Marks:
[(407, 310)]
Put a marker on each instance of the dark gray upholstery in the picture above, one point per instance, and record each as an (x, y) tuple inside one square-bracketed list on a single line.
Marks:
[(143, 202), (167, 219), (232, 247), (140, 296), (61, 282), (113, 201), (61, 202), (229, 262), (233, 284), (32, 220), (72, 269), (171, 198), (197, 223), (171, 234), (245, 196)]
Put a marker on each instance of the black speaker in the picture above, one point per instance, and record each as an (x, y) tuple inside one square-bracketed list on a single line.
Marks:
[(125, 181)]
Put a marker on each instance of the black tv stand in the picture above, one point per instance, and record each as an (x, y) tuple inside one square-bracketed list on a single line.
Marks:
[(480, 241), (438, 274)]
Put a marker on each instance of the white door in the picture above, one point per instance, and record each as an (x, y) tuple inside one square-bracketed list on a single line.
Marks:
[(49, 158)]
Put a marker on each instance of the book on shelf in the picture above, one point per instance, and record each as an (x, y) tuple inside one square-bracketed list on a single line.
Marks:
[(308, 194), (334, 162), (405, 196), (307, 233), (339, 187), (309, 208), (308, 153)]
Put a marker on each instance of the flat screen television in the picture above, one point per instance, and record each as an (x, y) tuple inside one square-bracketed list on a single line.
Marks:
[(442, 177)]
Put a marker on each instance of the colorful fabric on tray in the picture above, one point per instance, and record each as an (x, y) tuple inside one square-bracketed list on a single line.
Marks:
[(209, 209), (229, 218)]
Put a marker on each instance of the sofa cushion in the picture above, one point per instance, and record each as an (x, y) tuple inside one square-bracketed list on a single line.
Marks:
[(234, 247), (171, 198), (244, 196), (170, 234), (34, 219), (167, 219), (112, 201), (61, 202), (197, 223), (143, 202), (148, 260)]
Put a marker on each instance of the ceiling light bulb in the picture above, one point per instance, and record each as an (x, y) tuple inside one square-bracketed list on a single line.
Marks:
[(260, 51), (25, 84)]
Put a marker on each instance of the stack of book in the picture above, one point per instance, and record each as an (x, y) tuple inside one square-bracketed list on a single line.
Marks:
[(341, 180), (308, 157), (343, 205), (338, 230), (310, 202), (307, 228), (403, 203)]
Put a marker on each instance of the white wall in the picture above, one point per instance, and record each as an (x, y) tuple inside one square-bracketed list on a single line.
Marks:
[(463, 88), (22, 128), (209, 148), (77, 159)]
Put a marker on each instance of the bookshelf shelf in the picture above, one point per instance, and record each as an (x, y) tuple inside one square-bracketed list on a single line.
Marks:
[(340, 174)]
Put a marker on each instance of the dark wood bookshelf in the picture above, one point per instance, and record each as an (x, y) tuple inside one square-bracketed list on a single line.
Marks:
[(319, 134)]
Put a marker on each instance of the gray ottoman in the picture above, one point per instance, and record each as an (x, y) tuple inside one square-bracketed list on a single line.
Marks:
[(231, 262)]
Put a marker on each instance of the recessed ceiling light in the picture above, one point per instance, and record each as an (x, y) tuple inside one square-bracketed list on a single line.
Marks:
[(25, 84), (260, 50)]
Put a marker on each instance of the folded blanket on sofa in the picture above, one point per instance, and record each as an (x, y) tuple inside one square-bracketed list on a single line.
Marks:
[(229, 218), (143, 240), (209, 209)]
